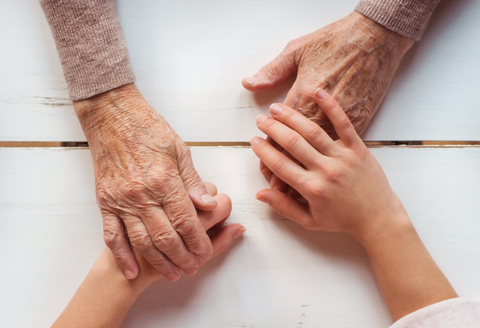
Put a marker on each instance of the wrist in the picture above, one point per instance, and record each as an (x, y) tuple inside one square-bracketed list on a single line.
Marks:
[(112, 107), (400, 44), (107, 269), (401, 230)]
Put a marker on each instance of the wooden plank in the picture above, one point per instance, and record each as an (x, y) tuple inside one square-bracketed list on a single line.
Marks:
[(278, 275), (190, 56)]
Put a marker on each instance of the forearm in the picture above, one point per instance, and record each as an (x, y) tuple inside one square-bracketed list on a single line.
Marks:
[(409, 18), (103, 299), (406, 273), (90, 44)]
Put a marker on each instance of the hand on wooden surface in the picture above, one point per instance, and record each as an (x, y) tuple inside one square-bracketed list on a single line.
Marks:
[(146, 185), (106, 295), (354, 59), (344, 187), (220, 240)]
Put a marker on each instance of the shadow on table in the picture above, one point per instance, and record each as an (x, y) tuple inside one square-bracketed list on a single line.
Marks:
[(444, 17), (165, 303)]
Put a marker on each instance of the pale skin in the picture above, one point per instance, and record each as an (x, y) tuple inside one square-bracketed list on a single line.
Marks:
[(106, 295), (354, 59), (146, 185), (329, 174)]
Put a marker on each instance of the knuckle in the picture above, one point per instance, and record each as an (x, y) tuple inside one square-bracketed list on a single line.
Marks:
[(313, 131), (292, 140), (332, 175), (314, 188), (278, 163), (165, 240), (103, 197), (293, 45), (133, 190), (112, 238), (185, 227), (141, 242)]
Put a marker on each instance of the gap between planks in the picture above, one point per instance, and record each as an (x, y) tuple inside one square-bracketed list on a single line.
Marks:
[(370, 144)]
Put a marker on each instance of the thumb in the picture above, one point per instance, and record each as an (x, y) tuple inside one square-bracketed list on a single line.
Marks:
[(195, 187), (286, 206), (274, 73)]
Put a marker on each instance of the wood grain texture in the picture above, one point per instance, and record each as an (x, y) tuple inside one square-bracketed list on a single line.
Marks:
[(277, 275), (190, 56)]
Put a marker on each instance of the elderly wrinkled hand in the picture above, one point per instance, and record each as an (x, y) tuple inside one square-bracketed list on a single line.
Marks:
[(353, 59), (146, 185)]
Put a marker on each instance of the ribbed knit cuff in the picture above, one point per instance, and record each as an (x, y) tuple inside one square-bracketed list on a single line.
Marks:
[(406, 17), (91, 45)]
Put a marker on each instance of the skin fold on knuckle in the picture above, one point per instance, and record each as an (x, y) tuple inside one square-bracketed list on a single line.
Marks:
[(113, 238), (141, 241), (314, 188), (193, 235), (292, 140), (278, 163)]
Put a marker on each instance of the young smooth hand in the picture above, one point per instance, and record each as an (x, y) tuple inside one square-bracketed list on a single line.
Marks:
[(106, 295), (344, 186), (344, 189)]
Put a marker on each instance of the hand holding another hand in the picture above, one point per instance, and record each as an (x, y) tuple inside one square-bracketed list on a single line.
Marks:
[(146, 185), (345, 188), (210, 220)]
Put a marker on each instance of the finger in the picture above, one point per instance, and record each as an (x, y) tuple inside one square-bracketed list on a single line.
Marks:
[(275, 182), (290, 140), (183, 217), (211, 188), (286, 206), (263, 168), (168, 239), (224, 238), (220, 213), (274, 73), (194, 186), (278, 163), (142, 242), (309, 130), (115, 239), (337, 116)]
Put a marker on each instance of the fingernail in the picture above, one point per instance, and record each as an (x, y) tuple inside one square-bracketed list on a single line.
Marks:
[(263, 200), (261, 118), (206, 256), (239, 232), (208, 199), (190, 271), (172, 276), (254, 141), (276, 109), (129, 274), (252, 80), (320, 94)]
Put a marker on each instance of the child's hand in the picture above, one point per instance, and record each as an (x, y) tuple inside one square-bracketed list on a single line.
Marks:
[(344, 187), (221, 240)]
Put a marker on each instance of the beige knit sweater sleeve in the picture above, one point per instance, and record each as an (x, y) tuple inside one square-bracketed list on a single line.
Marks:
[(406, 17), (90, 44), (94, 55)]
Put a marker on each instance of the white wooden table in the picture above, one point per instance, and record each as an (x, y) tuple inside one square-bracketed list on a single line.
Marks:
[(189, 58)]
